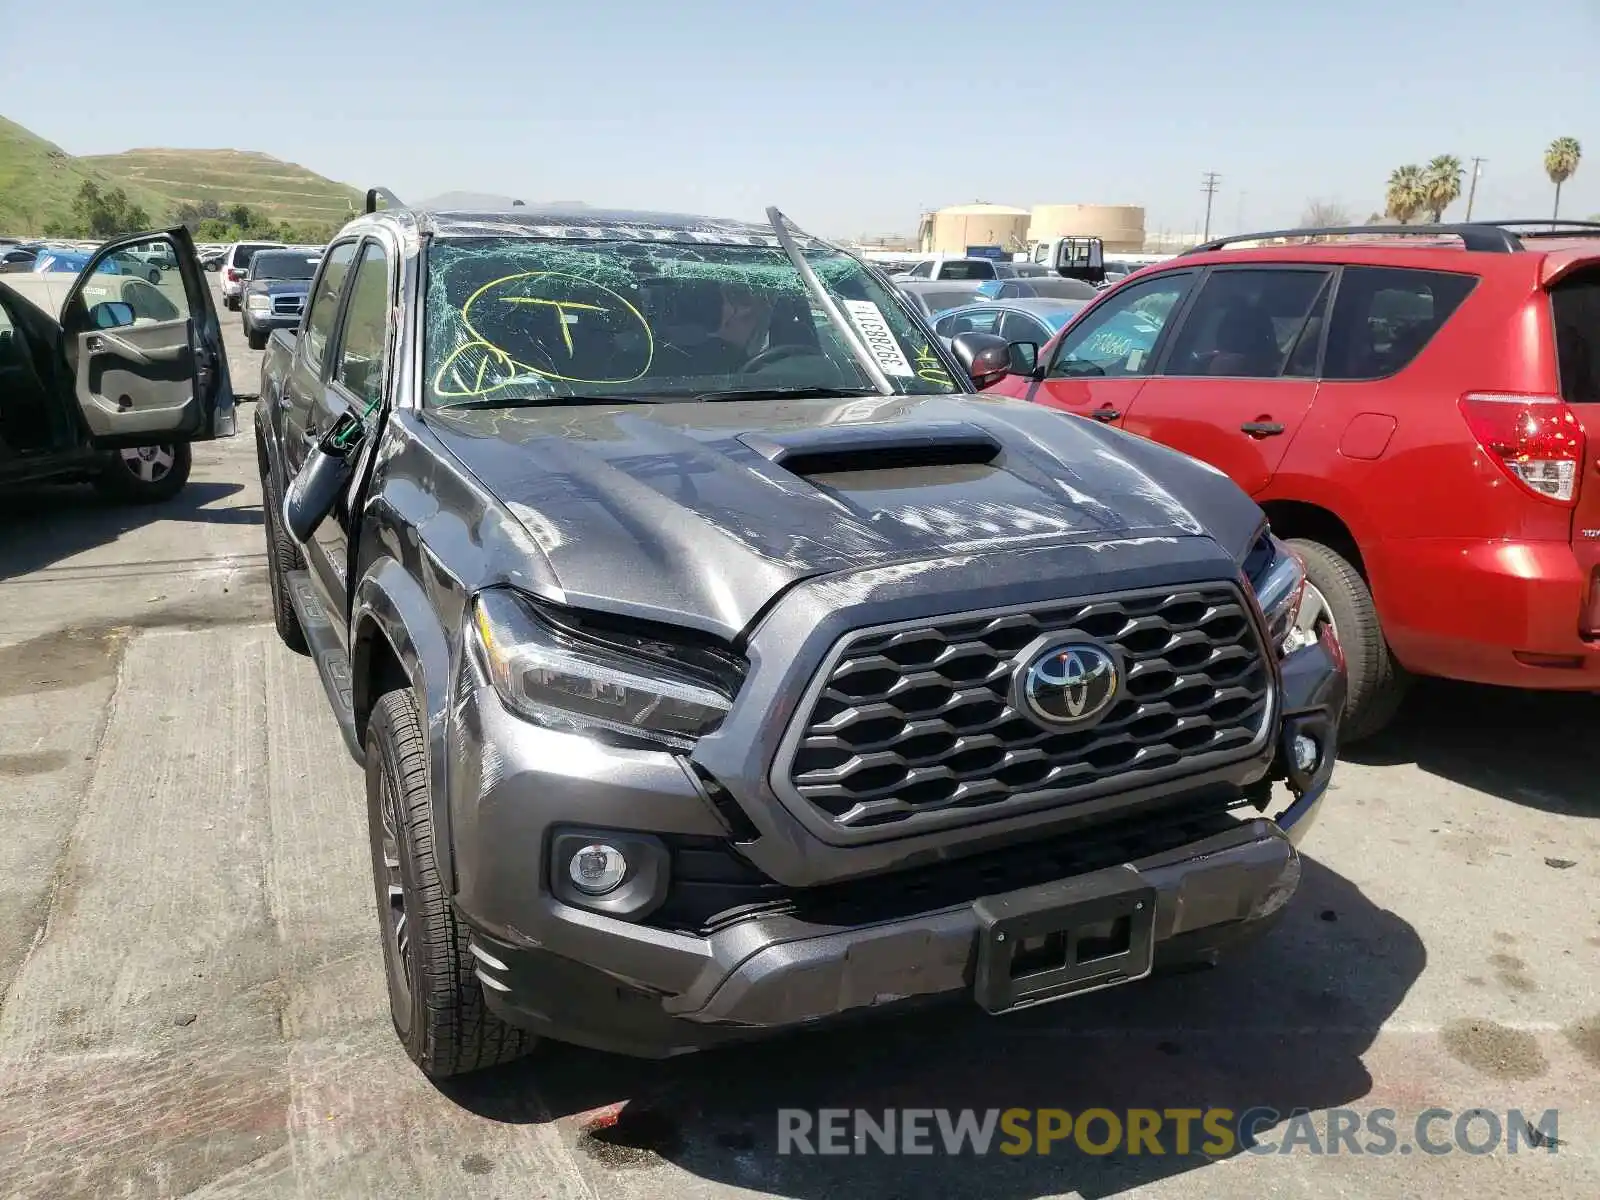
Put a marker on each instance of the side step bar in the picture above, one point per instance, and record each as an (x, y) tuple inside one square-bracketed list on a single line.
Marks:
[(333, 664)]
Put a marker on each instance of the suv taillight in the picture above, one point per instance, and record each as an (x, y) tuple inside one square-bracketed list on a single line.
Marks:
[(1537, 440)]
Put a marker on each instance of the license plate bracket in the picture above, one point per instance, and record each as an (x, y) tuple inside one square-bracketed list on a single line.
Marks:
[(1063, 939)]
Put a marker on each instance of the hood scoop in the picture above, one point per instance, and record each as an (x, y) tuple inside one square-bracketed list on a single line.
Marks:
[(841, 449)]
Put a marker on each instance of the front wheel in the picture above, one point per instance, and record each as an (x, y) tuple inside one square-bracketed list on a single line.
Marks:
[(146, 474), (435, 999), (1336, 595)]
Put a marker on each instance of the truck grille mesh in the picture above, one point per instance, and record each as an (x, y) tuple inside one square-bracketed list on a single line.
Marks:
[(916, 720)]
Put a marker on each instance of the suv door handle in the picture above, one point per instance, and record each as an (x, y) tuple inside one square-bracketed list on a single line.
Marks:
[(1106, 414), (1261, 429)]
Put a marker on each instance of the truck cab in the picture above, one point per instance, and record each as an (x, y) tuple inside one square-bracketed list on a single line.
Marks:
[(108, 377)]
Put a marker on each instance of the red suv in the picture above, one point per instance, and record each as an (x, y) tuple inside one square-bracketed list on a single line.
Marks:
[(1413, 411)]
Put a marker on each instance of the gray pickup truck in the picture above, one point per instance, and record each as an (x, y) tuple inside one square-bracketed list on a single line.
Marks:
[(720, 663), (274, 292)]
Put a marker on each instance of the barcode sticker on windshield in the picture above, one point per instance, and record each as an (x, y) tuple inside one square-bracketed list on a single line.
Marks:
[(880, 340)]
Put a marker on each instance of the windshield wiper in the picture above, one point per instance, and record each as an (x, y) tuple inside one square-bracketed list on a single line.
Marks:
[(778, 393)]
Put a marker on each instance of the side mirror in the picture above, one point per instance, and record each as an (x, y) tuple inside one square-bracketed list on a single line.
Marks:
[(985, 357), (1024, 358), (111, 314)]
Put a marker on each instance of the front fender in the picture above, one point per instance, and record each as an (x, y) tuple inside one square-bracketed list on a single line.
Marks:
[(389, 604)]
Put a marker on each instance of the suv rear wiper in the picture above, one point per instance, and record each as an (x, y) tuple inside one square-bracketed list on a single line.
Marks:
[(779, 393)]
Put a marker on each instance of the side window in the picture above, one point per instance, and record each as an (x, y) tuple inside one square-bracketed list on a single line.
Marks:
[(966, 268), (364, 341), (971, 320), (946, 326), (1117, 338), (921, 270), (1384, 316), (325, 302), (1019, 327), (1245, 324)]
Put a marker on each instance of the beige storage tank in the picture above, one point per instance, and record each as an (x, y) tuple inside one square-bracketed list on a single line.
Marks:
[(1119, 226), (952, 230)]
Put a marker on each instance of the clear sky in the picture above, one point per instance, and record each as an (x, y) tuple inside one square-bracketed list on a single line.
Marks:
[(852, 115)]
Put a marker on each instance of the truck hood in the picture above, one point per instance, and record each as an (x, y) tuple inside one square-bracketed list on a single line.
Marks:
[(701, 513)]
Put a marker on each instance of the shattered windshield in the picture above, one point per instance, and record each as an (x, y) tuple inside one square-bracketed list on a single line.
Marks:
[(519, 318)]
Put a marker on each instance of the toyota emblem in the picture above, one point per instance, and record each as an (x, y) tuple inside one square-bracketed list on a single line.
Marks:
[(1072, 683)]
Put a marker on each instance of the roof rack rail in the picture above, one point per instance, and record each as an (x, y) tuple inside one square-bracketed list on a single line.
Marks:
[(1539, 227), (1475, 236), (390, 200)]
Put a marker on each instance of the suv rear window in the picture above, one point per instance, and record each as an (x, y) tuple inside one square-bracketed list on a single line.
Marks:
[(1575, 301), (244, 253), (280, 264), (967, 269), (1384, 316)]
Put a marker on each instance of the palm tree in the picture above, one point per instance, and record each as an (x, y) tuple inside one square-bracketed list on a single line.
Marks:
[(1561, 164), (1442, 183), (1407, 193)]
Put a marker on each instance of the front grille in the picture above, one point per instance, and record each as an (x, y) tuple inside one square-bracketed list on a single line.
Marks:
[(286, 306), (912, 720)]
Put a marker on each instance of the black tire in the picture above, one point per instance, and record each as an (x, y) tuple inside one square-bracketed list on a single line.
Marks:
[(283, 556), (1377, 683), (255, 339), (435, 1000), (146, 475), (231, 303)]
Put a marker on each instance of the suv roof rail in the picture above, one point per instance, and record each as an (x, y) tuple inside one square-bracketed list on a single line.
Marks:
[(390, 200), (1544, 227), (1485, 236)]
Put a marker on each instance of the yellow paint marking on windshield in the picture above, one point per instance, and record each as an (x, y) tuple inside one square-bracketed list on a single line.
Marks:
[(495, 366), (928, 368), (561, 307)]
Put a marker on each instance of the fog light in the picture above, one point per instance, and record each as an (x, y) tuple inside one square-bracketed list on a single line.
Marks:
[(1305, 753), (597, 869)]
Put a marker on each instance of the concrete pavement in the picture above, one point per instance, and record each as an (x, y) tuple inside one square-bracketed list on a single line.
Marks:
[(193, 1002)]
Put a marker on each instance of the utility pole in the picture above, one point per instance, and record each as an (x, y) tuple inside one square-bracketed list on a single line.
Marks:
[(1472, 189), (1208, 185)]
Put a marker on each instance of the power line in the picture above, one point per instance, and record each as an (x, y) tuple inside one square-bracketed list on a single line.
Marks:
[(1472, 190), (1208, 185)]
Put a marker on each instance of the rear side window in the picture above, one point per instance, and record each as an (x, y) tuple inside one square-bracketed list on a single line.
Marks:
[(242, 254), (1576, 304), (967, 269), (1246, 324), (363, 343), (1384, 316), (971, 321)]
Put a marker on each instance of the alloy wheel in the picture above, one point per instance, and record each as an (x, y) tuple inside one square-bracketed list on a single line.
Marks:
[(149, 464), (399, 952)]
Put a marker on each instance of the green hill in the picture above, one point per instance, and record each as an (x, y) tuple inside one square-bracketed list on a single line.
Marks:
[(38, 181), (279, 190)]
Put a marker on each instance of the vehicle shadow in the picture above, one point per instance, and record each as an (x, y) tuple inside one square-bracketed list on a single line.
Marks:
[(1281, 1025), (1533, 748), (42, 526)]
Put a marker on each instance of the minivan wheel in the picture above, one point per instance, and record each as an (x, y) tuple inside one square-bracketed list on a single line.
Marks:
[(146, 474), (1337, 595), (435, 999)]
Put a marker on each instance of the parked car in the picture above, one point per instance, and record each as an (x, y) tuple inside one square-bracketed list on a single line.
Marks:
[(719, 664), (275, 290), (1415, 410), (235, 262), (1044, 287), (933, 298), (953, 267), (17, 258), (116, 388), (1026, 322)]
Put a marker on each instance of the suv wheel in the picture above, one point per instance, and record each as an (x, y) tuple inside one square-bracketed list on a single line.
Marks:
[(1336, 595), (146, 474), (256, 339), (283, 556), (435, 999)]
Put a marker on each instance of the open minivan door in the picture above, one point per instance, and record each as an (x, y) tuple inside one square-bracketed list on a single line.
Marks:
[(147, 360)]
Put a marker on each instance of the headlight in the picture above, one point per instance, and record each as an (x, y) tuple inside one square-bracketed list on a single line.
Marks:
[(608, 684), (259, 304), (1280, 582)]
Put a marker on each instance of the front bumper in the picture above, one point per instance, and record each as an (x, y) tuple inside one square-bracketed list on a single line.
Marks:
[(255, 321), (626, 985)]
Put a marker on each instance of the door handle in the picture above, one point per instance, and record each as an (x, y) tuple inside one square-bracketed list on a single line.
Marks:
[(1261, 429), (1106, 414)]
